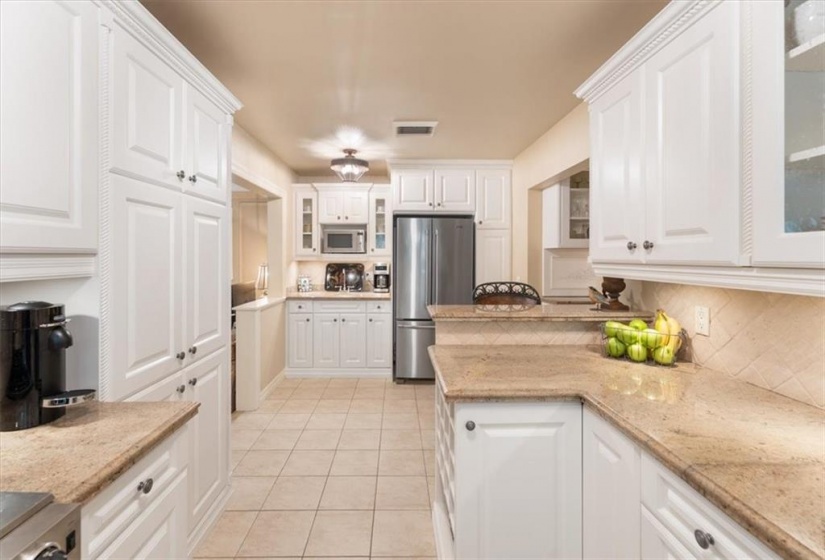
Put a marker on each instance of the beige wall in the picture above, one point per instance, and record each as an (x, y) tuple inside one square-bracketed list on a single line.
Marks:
[(553, 156), (249, 238), (273, 343)]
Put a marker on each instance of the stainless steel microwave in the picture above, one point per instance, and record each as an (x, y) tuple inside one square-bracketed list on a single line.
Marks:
[(343, 239)]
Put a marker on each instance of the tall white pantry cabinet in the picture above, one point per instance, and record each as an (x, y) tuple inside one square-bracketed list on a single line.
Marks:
[(132, 136)]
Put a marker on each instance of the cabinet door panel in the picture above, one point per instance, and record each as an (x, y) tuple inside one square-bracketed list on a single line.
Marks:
[(356, 207), (612, 493), (206, 384), (147, 107), (326, 337), (518, 458), (455, 190), (207, 306), (207, 142), (353, 340), (692, 158), (413, 190), (306, 223), (658, 543), (49, 133), (379, 340), (299, 343), (331, 207), (492, 255), (616, 201), (379, 225), (493, 199), (146, 295)]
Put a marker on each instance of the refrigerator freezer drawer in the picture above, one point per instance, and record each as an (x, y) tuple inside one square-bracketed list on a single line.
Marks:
[(412, 338)]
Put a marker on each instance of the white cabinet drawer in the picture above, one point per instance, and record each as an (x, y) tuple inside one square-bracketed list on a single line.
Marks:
[(300, 306), (682, 512), (112, 511), (339, 306), (384, 306)]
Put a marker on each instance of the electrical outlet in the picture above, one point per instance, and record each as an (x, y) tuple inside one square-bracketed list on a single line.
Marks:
[(702, 321)]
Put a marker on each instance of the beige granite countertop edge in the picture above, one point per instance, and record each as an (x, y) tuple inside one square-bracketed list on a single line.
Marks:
[(380, 296), (767, 532), (104, 477)]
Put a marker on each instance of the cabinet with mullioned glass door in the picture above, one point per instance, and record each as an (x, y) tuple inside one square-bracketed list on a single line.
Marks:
[(306, 222)]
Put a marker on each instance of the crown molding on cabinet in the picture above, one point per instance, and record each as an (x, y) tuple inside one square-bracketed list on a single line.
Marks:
[(19, 267), (448, 163)]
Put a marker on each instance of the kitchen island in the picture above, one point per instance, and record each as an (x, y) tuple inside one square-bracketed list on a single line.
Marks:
[(750, 458)]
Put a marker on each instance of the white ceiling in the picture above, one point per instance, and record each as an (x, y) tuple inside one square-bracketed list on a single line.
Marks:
[(317, 77)]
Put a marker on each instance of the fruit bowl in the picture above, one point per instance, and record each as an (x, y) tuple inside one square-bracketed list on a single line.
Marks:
[(642, 343)]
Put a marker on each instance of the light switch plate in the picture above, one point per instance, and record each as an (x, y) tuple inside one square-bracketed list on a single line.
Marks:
[(702, 320)]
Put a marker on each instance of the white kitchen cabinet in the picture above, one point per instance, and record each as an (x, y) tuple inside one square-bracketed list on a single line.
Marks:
[(379, 226), (658, 543), (493, 198), (206, 253), (691, 157), (566, 214), (455, 190), (307, 239), (379, 340), (413, 190), (299, 348), (518, 480), (49, 135), (146, 298), (492, 255), (326, 340), (611, 491), (353, 335), (343, 204), (206, 146), (789, 138)]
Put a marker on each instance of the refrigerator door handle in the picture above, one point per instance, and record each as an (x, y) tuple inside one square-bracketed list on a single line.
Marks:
[(430, 300), (402, 326), (435, 268)]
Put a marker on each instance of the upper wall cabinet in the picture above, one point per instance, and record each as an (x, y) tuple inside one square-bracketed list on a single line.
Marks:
[(493, 197), (707, 149), (343, 203), (207, 147), (455, 190), (307, 239), (453, 186), (49, 134), (413, 190)]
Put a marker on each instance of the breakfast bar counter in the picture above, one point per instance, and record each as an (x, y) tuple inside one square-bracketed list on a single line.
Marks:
[(550, 312)]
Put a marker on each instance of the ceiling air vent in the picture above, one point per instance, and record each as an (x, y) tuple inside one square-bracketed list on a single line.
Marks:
[(414, 128)]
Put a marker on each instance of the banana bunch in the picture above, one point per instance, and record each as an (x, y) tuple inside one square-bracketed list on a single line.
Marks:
[(671, 330)]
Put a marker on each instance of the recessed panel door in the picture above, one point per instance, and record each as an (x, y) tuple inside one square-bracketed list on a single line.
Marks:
[(353, 340), (326, 335), (207, 142), (455, 190)]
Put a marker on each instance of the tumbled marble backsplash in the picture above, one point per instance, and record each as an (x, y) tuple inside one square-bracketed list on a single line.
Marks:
[(774, 341), (516, 333)]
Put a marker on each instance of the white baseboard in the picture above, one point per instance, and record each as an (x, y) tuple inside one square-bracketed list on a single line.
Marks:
[(209, 520), (444, 546), (265, 392), (342, 373)]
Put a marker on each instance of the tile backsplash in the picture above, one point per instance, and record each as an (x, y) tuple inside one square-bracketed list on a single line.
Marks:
[(774, 341), (317, 271)]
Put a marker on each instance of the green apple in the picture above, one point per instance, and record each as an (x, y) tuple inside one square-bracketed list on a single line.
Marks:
[(615, 347), (637, 324), (664, 355), (652, 338), (628, 335), (612, 327), (637, 352)]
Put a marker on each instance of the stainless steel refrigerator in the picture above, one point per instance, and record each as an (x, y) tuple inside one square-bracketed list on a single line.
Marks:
[(433, 263)]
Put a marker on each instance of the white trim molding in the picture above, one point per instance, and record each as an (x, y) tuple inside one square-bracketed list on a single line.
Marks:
[(19, 267), (365, 373)]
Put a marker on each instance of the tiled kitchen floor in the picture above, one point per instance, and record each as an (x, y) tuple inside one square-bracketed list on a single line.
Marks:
[(331, 468)]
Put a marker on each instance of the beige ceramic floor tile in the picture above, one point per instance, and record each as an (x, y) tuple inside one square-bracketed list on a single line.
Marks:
[(402, 492), (429, 461), (400, 421), (261, 463), (289, 383), (281, 393), (403, 533), (243, 439), (317, 382), (295, 493), (354, 463), (400, 405), (400, 439), (339, 383), (235, 458), (367, 406), (395, 392), (338, 393), (342, 533), (311, 393), (249, 493), (308, 463), (299, 405), (251, 421), (400, 462), (326, 421), (368, 393), (371, 382), (431, 488), (279, 533), (365, 421), (349, 493), (332, 405), (318, 439), (360, 439), (426, 421), (277, 439), (428, 439), (290, 421), (225, 538), (271, 406)]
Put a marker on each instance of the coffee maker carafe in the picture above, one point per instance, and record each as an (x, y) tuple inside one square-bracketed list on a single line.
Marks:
[(381, 278), (33, 343)]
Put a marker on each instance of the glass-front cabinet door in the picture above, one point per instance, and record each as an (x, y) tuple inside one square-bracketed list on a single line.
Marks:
[(306, 222), (788, 119), (380, 222)]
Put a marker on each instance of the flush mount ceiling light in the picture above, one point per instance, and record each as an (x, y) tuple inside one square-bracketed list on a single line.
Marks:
[(349, 168)]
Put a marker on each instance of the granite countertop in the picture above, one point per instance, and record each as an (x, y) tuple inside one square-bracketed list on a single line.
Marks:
[(545, 312), (758, 456), (322, 294), (80, 454)]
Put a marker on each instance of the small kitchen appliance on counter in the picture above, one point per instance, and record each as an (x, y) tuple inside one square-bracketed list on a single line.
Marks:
[(33, 343), (32, 526), (344, 277), (381, 278)]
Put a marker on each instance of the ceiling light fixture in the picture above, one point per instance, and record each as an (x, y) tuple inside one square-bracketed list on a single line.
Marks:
[(349, 168)]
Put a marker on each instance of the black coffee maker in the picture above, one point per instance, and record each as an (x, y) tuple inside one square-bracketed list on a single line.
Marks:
[(33, 343)]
